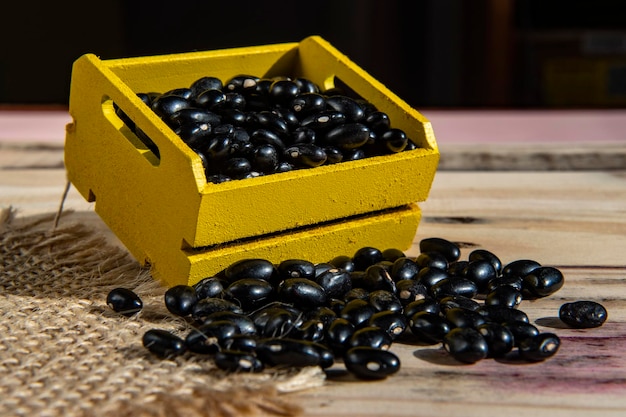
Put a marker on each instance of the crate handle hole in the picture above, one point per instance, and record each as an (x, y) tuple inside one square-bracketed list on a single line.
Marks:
[(128, 128)]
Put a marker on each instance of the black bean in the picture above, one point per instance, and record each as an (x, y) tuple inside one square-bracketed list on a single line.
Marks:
[(392, 322), (283, 91), (324, 314), (454, 286), (539, 347), (499, 339), (521, 331), (429, 276), (343, 104), (180, 299), (583, 314), (274, 321), (207, 306), (520, 267), (205, 83), (196, 135), (357, 312), (288, 352), (502, 314), (242, 84), (193, 116), (335, 282), (296, 268), (383, 300), (163, 343), (166, 106), (124, 301), (307, 104), (404, 268), (378, 122), (306, 86), (206, 339), (457, 267), (353, 154), (394, 140), (303, 135), (482, 254), (265, 158), (338, 333), (429, 328), (461, 317), (239, 342), (365, 257), (311, 330), (409, 290), (449, 249), (356, 293), (481, 272), (208, 287), (267, 137), (212, 100), (466, 344), (250, 293), (250, 268), (427, 304), (324, 121), (393, 254), (455, 301), (245, 325), (371, 363), (513, 281), (432, 260), (377, 277), (237, 168), (305, 155), (504, 295), (543, 281), (270, 121), (371, 336), (237, 361), (302, 292), (235, 101)]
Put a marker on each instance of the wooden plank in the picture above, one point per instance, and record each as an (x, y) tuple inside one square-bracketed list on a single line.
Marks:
[(573, 220)]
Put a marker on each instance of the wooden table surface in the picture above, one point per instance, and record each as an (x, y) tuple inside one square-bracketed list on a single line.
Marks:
[(572, 219)]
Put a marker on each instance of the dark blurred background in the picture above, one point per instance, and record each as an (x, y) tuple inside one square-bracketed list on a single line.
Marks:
[(432, 53)]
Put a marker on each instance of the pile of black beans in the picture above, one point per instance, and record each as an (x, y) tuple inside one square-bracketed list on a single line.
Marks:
[(251, 126), (255, 315)]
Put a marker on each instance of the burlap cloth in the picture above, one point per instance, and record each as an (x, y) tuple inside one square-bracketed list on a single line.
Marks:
[(64, 352)]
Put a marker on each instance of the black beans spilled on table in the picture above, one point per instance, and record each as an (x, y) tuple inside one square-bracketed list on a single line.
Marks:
[(250, 126), (255, 315)]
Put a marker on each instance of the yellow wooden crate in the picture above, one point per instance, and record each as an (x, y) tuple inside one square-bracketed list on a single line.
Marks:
[(161, 206)]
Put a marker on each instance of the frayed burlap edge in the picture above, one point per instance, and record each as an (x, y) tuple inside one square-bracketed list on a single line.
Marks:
[(63, 352)]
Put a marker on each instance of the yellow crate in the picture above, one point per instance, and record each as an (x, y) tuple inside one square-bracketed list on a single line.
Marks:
[(161, 206)]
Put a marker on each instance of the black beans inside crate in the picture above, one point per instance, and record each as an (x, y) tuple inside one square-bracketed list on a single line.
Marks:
[(256, 315), (251, 126)]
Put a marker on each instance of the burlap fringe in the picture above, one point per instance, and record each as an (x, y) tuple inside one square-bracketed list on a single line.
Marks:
[(63, 352)]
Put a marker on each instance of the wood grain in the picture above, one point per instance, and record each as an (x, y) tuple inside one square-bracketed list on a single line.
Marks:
[(575, 220)]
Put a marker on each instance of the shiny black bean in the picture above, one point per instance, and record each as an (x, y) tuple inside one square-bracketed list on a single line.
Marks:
[(183, 92), (377, 277), (303, 135), (124, 301), (357, 312), (237, 168), (429, 328), (427, 304), (237, 361), (195, 134), (338, 334), (213, 100), (296, 268), (378, 122), (454, 286), (311, 330), (283, 91), (166, 106), (347, 136), (305, 155), (275, 321), (384, 300), (404, 268), (306, 85), (288, 116), (308, 104), (245, 325), (250, 293), (456, 301), (268, 137), (242, 84), (393, 254), (181, 299), (335, 282), (520, 267), (206, 339), (302, 292), (583, 314), (324, 121), (502, 314), (163, 343), (394, 140), (346, 105), (365, 257), (288, 352), (208, 287), (409, 290), (543, 281), (499, 339), (504, 295), (353, 155), (466, 345), (370, 363), (429, 276), (270, 121), (265, 158), (193, 116), (250, 268), (322, 267), (333, 155), (432, 260), (482, 254), (207, 306), (235, 101), (513, 281), (449, 249), (205, 83), (539, 347), (356, 293), (480, 272), (371, 336), (239, 342), (521, 331), (324, 314), (457, 267), (461, 317), (393, 323)]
